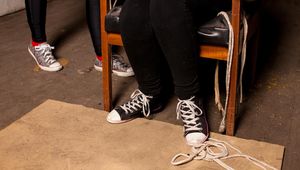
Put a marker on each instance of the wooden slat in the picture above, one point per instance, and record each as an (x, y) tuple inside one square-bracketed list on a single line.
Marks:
[(206, 51), (115, 39), (213, 52)]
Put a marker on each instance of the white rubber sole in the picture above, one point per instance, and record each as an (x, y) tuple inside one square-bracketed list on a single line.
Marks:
[(120, 74), (117, 122), (52, 69)]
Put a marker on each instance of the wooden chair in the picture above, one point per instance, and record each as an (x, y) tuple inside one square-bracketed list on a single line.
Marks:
[(206, 51)]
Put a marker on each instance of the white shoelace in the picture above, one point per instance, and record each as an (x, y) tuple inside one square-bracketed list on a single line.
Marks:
[(139, 100), (188, 111), (45, 50), (216, 150)]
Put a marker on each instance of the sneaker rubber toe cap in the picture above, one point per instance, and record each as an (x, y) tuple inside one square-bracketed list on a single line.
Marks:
[(124, 73), (55, 65), (113, 117), (130, 70), (195, 139)]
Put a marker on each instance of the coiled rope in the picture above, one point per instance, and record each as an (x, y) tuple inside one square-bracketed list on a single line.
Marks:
[(216, 151)]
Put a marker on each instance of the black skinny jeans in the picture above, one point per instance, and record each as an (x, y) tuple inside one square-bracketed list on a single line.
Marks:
[(36, 16), (159, 34)]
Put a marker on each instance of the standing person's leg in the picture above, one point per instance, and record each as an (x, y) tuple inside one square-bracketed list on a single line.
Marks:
[(176, 35), (93, 21), (119, 67), (36, 16), (145, 57), (39, 49)]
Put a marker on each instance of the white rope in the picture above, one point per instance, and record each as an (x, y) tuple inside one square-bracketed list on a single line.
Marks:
[(243, 57), (218, 99), (214, 150), (228, 69), (112, 5)]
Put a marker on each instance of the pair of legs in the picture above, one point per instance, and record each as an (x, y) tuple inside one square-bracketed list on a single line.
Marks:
[(36, 15), (158, 34)]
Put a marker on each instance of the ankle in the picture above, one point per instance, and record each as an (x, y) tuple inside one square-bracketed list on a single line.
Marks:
[(156, 104), (99, 57)]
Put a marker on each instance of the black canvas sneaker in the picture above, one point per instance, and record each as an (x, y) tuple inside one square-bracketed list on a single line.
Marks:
[(195, 125), (140, 105)]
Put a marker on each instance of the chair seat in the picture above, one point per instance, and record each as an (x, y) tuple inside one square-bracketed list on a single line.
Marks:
[(214, 32), (112, 20)]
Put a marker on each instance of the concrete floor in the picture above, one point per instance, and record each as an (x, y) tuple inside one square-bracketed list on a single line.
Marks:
[(268, 114)]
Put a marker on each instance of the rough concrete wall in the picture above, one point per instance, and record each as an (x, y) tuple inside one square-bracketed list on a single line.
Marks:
[(9, 6)]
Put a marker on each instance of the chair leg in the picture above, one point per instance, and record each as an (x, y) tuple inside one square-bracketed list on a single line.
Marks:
[(106, 54), (231, 105), (232, 99), (106, 77)]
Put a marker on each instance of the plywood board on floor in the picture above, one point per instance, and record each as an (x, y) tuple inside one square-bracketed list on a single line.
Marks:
[(58, 135)]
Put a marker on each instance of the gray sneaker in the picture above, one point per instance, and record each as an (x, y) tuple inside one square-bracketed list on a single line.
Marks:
[(119, 67), (42, 55)]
